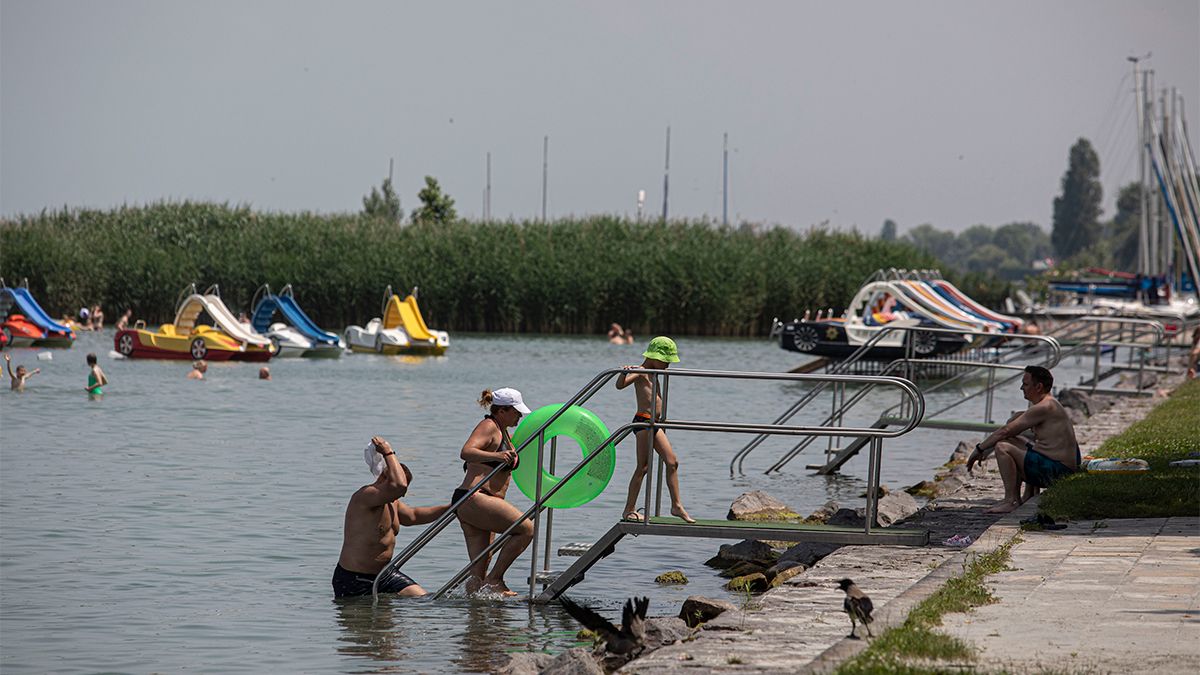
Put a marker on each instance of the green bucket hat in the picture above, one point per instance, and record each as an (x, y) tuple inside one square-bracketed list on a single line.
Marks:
[(662, 349)]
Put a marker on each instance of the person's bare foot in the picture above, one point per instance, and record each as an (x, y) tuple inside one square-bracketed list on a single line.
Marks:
[(1003, 507), (679, 512), (499, 588)]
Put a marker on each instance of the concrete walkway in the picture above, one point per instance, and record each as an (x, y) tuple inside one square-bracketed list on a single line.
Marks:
[(1092, 589), (1114, 596)]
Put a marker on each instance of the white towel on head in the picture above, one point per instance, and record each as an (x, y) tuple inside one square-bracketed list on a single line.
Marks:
[(375, 460)]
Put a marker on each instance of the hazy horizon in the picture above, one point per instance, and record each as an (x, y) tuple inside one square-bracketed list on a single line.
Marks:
[(948, 113)]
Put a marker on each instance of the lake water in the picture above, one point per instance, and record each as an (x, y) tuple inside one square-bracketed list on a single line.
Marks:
[(179, 525)]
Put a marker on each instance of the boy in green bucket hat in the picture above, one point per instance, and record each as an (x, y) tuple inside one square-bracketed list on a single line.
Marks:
[(661, 352)]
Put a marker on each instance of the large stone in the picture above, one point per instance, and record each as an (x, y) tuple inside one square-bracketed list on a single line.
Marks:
[(665, 630), (807, 553), (698, 609), (1130, 380), (846, 518), (525, 663), (758, 505), (754, 583), (783, 575), (574, 661), (672, 577), (895, 507), (741, 569), (1078, 399), (822, 514), (961, 452), (949, 484), (926, 489), (750, 550)]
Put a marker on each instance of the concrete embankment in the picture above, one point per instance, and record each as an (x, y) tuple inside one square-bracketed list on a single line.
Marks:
[(800, 626)]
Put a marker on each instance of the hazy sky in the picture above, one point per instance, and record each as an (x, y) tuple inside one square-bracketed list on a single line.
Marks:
[(952, 113)]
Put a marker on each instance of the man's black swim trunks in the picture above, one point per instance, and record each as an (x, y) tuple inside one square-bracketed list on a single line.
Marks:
[(347, 584)]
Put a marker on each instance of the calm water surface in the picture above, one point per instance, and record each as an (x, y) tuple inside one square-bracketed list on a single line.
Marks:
[(180, 526)]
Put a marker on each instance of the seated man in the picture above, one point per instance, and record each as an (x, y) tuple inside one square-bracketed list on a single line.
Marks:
[(1054, 452), (373, 518)]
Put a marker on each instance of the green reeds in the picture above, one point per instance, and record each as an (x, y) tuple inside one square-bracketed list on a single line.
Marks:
[(565, 276)]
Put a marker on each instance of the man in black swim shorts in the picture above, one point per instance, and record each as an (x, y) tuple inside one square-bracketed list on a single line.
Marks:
[(1053, 454), (373, 519)]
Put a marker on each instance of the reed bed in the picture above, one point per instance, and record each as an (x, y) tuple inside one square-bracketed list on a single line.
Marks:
[(566, 276)]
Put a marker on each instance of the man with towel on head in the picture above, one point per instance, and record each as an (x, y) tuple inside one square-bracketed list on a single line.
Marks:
[(373, 518)]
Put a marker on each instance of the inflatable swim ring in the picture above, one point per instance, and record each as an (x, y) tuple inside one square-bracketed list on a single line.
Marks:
[(1116, 465), (580, 425)]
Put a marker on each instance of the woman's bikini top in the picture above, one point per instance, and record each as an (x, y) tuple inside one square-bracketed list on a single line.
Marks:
[(504, 440)]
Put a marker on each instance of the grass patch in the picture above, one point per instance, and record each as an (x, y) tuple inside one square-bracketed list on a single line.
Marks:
[(916, 639), (1168, 433)]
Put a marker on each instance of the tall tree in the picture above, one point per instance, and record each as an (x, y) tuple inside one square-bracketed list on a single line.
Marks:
[(383, 204), (436, 207), (1125, 227), (1077, 209), (888, 231)]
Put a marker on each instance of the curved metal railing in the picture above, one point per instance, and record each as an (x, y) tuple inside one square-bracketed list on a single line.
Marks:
[(736, 462), (912, 397)]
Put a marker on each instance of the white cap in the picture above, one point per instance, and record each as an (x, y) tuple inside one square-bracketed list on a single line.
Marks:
[(374, 460), (512, 397)]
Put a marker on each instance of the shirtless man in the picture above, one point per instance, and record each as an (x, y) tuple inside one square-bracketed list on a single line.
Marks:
[(373, 518), (661, 353), (1054, 453)]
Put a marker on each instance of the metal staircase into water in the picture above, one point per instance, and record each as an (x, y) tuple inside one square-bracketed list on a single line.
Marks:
[(657, 525)]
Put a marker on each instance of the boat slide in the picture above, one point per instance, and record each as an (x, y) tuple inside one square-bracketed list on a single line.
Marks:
[(405, 314), (952, 293), (935, 299), (189, 310), (292, 314), (937, 312)]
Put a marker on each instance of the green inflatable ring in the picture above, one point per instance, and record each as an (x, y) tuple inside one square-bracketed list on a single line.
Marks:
[(580, 425)]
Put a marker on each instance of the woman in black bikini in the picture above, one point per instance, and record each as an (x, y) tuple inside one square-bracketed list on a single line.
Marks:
[(487, 513)]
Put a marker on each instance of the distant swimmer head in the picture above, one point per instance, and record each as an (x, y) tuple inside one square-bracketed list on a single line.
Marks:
[(264, 373), (662, 349), (201, 365)]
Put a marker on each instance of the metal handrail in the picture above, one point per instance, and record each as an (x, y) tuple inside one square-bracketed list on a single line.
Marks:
[(908, 389), (1055, 358), (736, 462)]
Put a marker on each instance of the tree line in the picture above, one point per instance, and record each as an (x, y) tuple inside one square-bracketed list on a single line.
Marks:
[(1079, 236), (572, 275)]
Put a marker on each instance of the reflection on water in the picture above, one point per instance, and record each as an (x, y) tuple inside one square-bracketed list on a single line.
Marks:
[(178, 524)]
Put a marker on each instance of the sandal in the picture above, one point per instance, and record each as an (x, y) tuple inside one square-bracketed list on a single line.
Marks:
[(634, 517)]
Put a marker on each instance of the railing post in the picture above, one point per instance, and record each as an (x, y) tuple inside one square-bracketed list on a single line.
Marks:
[(549, 511), (536, 521), (872, 484), (991, 391), (1096, 358)]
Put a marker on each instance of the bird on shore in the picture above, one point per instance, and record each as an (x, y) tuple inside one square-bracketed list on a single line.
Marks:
[(628, 638), (858, 606)]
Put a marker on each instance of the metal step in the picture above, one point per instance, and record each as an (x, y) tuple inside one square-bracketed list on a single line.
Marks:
[(545, 577), (574, 549)]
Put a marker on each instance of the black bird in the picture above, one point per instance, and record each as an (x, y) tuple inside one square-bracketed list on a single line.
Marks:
[(625, 640), (858, 606)]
